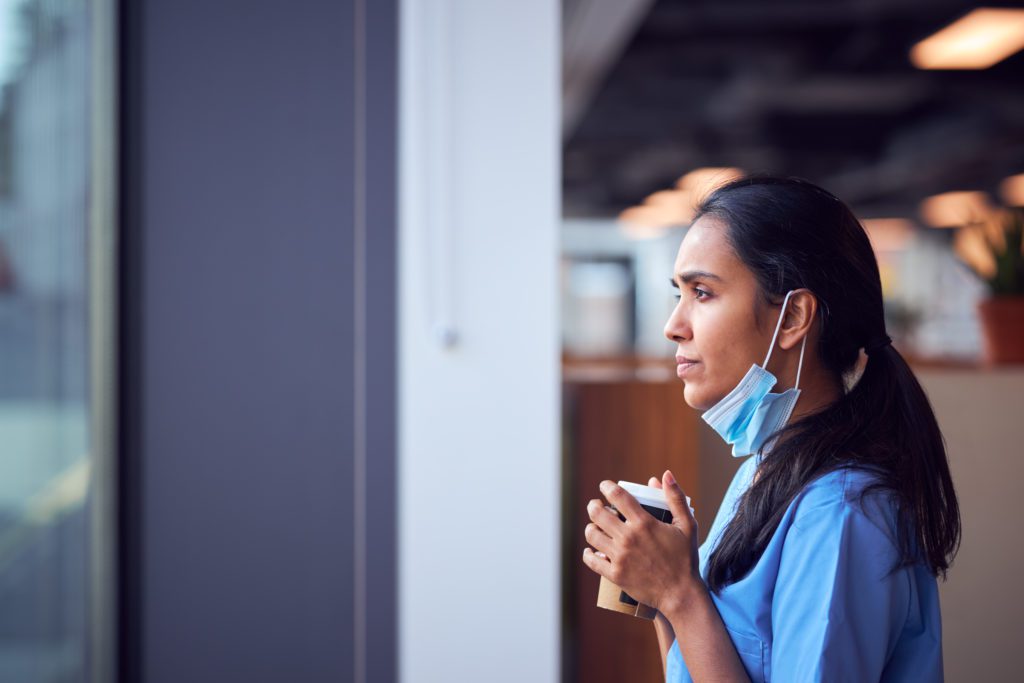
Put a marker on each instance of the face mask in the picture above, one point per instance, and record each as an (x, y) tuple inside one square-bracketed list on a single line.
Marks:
[(749, 414)]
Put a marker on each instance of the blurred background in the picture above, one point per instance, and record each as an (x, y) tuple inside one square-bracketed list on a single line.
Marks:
[(912, 113), (321, 321), (56, 536)]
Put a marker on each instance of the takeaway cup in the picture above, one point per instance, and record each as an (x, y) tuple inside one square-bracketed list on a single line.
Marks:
[(610, 596)]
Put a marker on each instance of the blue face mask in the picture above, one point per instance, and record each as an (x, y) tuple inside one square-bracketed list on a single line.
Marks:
[(750, 413)]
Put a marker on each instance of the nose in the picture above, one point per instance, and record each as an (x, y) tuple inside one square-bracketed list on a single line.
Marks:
[(677, 328)]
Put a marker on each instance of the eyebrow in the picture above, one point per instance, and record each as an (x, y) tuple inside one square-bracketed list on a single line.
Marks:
[(691, 275)]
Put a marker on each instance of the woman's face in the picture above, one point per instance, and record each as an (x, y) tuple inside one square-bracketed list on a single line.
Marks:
[(714, 324)]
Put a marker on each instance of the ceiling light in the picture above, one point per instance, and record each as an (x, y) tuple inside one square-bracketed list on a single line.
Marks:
[(888, 234), (700, 182), (644, 222), (676, 206), (665, 209), (977, 40), (954, 209)]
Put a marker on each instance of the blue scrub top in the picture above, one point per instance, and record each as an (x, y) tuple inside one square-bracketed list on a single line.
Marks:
[(818, 605)]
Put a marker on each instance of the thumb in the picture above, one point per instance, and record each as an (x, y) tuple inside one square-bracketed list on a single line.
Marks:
[(678, 501)]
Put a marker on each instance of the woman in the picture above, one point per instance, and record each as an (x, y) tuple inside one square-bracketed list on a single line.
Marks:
[(821, 563)]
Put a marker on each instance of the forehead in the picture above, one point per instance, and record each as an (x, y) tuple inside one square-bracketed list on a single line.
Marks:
[(706, 247)]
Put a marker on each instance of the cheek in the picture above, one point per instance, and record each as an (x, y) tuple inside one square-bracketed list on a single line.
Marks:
[(725, 358)]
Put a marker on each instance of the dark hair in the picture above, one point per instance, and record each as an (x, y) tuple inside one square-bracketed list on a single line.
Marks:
[(793, 234)]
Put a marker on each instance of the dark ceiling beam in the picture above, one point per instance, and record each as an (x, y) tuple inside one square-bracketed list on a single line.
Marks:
[(594, 35), (680, 18)]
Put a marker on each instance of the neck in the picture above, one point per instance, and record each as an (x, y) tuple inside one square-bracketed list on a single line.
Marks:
[(817, 390)]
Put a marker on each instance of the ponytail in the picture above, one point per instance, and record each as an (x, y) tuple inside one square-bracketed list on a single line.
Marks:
[(914, 458)]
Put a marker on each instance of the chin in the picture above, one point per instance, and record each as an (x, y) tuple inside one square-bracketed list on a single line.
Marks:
[(697, 398)]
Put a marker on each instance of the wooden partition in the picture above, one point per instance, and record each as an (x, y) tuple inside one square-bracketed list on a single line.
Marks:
[(622, 421)]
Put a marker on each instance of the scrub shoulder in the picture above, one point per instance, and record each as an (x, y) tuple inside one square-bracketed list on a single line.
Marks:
[(841, 493)]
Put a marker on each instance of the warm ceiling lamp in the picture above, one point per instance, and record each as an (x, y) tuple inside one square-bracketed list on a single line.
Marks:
[(664, 209), (1012, 190), (979, 39), (675, 205), (700, 182), (645, 222), (955, 209), (888, 234)]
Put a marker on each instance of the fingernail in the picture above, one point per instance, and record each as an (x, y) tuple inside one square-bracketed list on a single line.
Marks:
[(669, 479)]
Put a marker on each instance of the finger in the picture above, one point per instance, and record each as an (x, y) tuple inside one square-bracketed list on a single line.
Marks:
[(678, 502), (624, 502), (598, 538), (654, 482), (596, 563), (605, 518)]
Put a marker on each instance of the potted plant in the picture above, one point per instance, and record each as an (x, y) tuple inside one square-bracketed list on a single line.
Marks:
[(994, 249)]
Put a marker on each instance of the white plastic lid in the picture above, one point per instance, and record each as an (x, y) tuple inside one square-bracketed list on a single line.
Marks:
[(648, 495)]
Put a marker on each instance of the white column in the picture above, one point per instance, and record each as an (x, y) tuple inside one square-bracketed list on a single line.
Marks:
[(479, 372)]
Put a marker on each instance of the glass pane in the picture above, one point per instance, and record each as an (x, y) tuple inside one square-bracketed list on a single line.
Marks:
[(44, 399)]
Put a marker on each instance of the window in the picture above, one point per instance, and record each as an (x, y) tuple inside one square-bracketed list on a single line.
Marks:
[(54, 382)]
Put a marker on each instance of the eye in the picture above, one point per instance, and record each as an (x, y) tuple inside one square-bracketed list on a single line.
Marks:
[(698, 294)]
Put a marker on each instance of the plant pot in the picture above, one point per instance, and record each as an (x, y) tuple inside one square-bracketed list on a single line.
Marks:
[(1002, 325)]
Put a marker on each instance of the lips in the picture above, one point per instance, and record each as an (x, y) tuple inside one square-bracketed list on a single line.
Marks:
[(684, 365)]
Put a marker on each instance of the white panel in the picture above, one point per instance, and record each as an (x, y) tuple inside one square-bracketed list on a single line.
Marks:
[(479, 373)]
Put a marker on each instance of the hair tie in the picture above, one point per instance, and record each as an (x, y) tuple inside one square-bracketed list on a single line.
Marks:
[(878, 343)]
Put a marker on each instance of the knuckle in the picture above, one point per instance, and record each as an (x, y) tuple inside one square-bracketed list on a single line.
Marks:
[(644, 522)]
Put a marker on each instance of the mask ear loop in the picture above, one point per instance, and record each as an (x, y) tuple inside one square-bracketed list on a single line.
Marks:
[(800, 366), (775, 336), (778, 326)]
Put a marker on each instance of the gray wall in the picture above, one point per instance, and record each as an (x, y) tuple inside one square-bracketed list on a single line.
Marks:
[(258, 334)]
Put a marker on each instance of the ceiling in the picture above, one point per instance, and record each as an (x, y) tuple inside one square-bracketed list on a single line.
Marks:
[(821, 89)]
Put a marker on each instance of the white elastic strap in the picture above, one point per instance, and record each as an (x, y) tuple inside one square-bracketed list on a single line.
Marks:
[(801, 364), (778, 326), (775, 336)]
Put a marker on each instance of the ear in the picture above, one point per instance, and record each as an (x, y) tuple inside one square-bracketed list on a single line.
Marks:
[(801, 312)]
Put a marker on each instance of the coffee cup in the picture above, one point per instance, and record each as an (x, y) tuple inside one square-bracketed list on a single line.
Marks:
[(609, 595)]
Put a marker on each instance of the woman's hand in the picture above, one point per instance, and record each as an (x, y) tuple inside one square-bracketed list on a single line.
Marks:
[(659, 618), (654, 562)]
